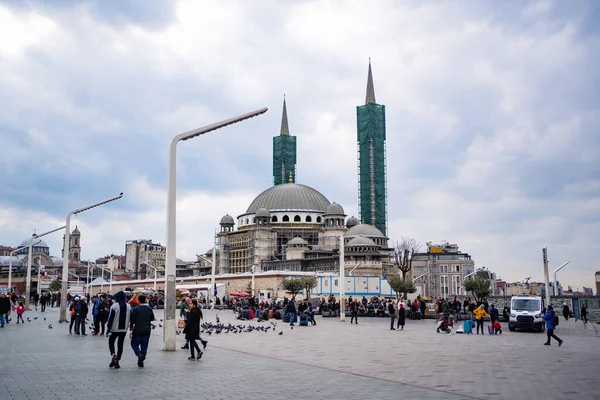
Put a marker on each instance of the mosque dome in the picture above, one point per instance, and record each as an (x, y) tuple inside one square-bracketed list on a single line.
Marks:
[(289, 197), (263, 212), (361, 241), (364, 230), (35, 242), (298, 241), (352, 221), (227, 220), (334, 209)]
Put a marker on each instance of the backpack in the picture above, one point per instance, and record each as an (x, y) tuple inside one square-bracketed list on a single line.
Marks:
[(102, 307), (555, 320)]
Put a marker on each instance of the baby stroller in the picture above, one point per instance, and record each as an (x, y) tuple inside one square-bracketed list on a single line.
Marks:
[(445, 325)]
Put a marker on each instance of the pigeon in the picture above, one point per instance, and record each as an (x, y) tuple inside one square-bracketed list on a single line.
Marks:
[(50, 326), (291, 327), (153, 326), (218, 320), (280, 333), (37, 318), (44, 318), (160, 325)]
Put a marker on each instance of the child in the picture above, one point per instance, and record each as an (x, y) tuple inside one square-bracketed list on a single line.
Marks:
[(497, 327), (20, 310)]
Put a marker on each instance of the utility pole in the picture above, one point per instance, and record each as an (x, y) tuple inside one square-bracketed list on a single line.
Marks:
[(546, 277)]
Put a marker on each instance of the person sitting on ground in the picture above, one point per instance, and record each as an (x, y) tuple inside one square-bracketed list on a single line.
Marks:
[(497, 327)]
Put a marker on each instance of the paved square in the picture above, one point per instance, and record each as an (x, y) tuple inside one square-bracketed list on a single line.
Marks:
[(333, 360)]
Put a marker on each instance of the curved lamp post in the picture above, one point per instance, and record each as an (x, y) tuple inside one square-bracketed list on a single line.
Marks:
[(169, 318), (65, 271), (10, 262)]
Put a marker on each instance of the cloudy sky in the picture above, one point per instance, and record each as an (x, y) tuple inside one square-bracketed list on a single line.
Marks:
[(492, 118)]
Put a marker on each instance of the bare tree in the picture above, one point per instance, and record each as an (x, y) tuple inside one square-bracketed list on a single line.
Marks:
[(403, 254)]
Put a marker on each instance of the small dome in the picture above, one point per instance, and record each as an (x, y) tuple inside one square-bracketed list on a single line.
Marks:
[(75, 231), (352, 221), (263, 212), (334, 209), (364, 230), (227, 220), (298, 241), (361, 241)]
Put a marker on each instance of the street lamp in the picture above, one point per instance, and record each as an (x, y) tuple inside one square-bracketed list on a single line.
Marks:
[(170, 267), (472, 273), (352, 270), (10, 262), (554, 285), (29, 261), (420, 276), (65, 271), (111, 277), (342, 280), (151, 266), (214, 270)]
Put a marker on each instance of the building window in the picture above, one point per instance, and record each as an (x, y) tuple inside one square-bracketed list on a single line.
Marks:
[(274, 218), (319, 220), (444, 268), (286, 218), (308, 218), (444, 289), (247, 221), (297, 218)]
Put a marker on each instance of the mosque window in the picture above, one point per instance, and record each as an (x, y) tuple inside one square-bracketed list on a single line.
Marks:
[(318, 219), (274, 218), (286, 218), (247, 221), (308, 218), (297, 218)]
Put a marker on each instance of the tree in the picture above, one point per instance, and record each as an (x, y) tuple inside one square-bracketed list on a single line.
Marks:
[(55, 285), (309, 283), (479, 286), (293, 285), (401, 285), (403, 254)]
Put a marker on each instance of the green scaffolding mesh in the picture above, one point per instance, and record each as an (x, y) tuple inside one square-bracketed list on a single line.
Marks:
[(284, 159), (370, 121)]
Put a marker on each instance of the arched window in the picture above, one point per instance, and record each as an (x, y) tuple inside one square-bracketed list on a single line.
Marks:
[(297, 218), (286, 218), (308, 218), (319, 220), (247, 221), (274, 218)]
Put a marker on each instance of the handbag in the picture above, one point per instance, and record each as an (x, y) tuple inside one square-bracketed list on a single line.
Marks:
[(181, 323)]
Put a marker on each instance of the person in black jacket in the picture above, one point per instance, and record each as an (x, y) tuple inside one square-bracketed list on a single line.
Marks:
[(392, 312), (192, 329), (141, 327), (494, 314), (81, 311), (4, 309)]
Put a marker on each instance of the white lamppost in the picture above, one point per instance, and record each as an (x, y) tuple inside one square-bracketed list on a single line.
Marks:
[(342, 280), (155, 271), (472, 273), (10, 263), (29, 262), (87, 280), (554, 285), (111, 277), (170, 267), (65, 271), (214, 271)]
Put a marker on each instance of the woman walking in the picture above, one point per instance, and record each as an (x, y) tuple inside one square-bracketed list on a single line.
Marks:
[(192, 329), (479, 314), (401, 315)]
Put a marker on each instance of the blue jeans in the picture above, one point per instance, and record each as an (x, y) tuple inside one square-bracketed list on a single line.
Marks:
[(139, 344), (292, 318), (2, 319)]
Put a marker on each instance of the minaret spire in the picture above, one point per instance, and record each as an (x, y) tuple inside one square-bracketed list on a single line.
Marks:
[(285, 130), (370, 98)]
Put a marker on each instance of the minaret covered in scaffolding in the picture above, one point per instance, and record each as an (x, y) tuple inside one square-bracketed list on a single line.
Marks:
[(372, 191), (284, 153)]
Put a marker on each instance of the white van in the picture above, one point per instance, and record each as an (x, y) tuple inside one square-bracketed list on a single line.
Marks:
[(526, 313)]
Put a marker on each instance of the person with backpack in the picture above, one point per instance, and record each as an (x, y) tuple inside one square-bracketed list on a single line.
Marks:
[(103, 310), (81, 312), (118, 323), (551, 321)]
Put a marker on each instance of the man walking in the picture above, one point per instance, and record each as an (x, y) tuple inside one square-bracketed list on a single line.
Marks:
[(354, 311), (118, 322), (4, 308), (584, 313), (141, 327), (392, 312), (549, 318), (81, 312)]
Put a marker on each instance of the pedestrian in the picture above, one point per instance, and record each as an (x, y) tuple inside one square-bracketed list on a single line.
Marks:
[(354, 310), (497, 327), (4, 309), (95, 303), (479, 314), (36, 299), (20, 309), (81, 311), (192, 329), (141, 327), (43, 301), (74, 321), (401, 315), (584, 313), (549, 317), (566, 311), (118, 322), (494, 314), (290, 310), (392, 312), (103, 310), (183, 313)]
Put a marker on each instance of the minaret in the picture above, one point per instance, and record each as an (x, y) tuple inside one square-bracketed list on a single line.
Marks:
[(284, 152), (75, 246), (370, 124)]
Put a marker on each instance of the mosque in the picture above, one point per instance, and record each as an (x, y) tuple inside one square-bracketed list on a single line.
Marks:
[(293, 227)]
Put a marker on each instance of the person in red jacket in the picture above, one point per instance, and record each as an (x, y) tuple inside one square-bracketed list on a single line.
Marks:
[(20, 309), (497, 327)]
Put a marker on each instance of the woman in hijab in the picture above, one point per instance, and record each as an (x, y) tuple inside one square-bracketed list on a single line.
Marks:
[(118, 323), (192, 329)]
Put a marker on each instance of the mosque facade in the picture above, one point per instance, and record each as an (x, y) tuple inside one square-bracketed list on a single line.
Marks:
[(293, 227)]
